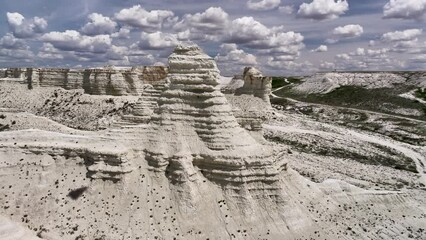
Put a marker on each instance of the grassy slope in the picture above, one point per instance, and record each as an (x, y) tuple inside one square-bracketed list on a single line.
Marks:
[(278, 82), (384, 100), (421, 93)]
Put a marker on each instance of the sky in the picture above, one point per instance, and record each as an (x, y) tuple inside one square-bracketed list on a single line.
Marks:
[(280, 37)]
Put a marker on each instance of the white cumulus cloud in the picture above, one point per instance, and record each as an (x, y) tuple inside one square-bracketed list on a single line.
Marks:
[(358, 52), (263, 5), (10, 42), (348, 31), (230, 54), (406, 35), (286, 9), (71, 40), (405, 9), (274, 42), (149, 21), (157, 40), (206, 25), (323, 9), (247, 29), (123, 33), (25, 28), (98, 24), (322, 48)]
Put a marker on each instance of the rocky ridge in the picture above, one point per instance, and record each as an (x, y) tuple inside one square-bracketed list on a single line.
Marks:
[(96, 81), (327, 82)]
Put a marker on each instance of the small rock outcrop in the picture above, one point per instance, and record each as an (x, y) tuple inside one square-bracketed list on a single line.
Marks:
[(255, 84), (231, 86), (249, 97)]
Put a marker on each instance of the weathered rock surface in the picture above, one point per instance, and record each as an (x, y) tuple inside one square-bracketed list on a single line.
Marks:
[(255, 84), (97, 81), (12, 231), (248, 94), (230, 86), (184, 168), (71, 108), (193, 103)]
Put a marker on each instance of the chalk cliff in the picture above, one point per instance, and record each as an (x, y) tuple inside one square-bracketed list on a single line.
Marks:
[(95, 81), (178, 165), (193, 108), (255, 84)]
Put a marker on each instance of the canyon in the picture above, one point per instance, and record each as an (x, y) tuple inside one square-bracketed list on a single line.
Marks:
[(180, 152)]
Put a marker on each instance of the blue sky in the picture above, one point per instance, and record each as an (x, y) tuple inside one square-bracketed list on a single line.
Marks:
[(280, 37)]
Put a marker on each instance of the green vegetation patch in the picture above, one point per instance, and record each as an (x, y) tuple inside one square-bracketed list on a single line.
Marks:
[(385, 100), (278, 82), (421, 93)]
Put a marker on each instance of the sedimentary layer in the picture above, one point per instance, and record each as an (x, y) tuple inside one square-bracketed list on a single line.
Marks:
[(96, 81)]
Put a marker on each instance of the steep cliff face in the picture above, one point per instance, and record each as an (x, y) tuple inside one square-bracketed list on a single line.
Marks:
[(3, 72), (152, 75), (15, 73), (217, 145), (97, 81), (105, 81)]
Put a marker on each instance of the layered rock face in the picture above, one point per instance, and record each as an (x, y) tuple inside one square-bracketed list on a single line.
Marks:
[(255, 84), (3, 72), (249, 96), (155, 81), (105, 81), (152, 75), (196, 123), (15, 73), (231, 86), (96, 81)]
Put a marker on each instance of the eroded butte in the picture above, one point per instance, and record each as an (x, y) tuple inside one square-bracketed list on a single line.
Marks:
[(172, 157)]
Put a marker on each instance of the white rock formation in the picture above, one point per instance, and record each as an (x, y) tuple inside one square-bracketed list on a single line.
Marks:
[(255, 84), (235, 83), (187, 171), (113, 81), (193, 103), (327, 82)]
